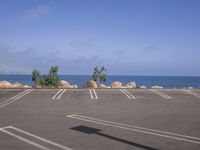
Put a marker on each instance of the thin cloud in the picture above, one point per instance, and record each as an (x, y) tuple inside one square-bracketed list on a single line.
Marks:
[(40, 10), (24, 61), (150, 48), (122, 51), (82, 43)]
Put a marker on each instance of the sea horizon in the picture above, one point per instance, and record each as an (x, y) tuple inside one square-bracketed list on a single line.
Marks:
[(108, 75), (146, 80)]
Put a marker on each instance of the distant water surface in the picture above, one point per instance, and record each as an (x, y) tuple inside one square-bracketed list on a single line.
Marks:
[(166, 81)]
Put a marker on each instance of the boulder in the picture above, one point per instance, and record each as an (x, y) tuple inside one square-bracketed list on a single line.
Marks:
[(131, 85), (103, 86), (91, 84), (123, 87), (17, 85), (157, 87), (190, 88), (143, 87), (73, 86), (38, 86), (63, 84), (5, 84), (116, 84), (27, 86)]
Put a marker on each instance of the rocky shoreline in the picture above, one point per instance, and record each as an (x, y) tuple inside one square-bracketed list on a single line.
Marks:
[(6, 84), (89, 84)]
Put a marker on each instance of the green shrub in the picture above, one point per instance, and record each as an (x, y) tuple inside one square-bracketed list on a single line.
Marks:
[(35, 76), (48, 80), (99, 75)]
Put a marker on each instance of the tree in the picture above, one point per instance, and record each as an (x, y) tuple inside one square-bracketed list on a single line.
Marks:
[(35, 76), (53, 76), (53, 72), (99, 75), (51, 79)]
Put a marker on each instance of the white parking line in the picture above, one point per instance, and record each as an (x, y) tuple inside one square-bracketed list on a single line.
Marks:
[(20, 94), (129, 95), (170, 135), (23, 94), (4, 127), (192, 93), (59, 94), (93, 94), (33, 136), (13, 99), (126, 125), (161, 94), (25, 140)]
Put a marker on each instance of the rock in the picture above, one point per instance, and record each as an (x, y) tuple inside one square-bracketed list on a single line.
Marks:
[(73, 86), (17, 85), (190, 88), (131, 85), (63, 84), (123, 87), (91, 84), (38, 86), (143, 87), (5, 84), (116, 84), (27, 86), (103, 86), (157, 87)]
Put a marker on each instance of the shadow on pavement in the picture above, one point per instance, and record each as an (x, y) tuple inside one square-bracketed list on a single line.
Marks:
[(90, 130)]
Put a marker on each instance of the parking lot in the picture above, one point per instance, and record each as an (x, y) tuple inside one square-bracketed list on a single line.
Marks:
[(100, 119)]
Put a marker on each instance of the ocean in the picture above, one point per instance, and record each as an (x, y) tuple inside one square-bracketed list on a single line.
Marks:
[(148, 81)]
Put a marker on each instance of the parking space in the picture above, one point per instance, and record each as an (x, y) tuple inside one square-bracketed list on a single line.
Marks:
[(183, 96), (7, 94), (116, 95), (196, 91), (8, 101), (134, 131), (161, 93), (10, 143), (147, 96), (43, 93), (79, 119), (75, 95), (193, 92)]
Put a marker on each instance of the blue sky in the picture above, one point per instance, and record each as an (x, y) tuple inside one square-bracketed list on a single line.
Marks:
[(130, 37)]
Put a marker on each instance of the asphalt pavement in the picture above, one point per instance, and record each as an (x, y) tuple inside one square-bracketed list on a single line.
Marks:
[(100, 119)]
